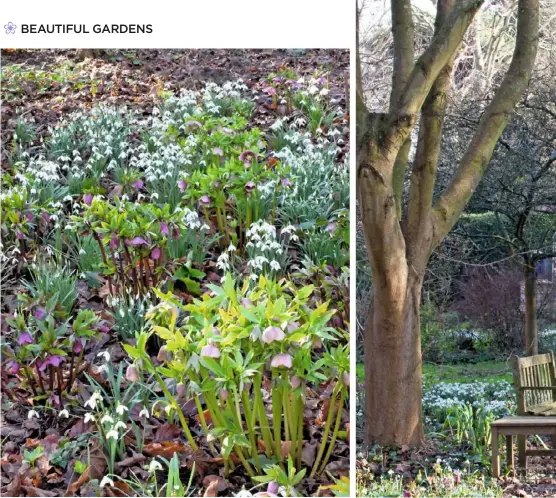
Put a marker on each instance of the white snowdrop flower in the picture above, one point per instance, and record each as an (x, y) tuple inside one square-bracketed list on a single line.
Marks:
[(113, 433), (144, 413), (253, 277), (324, 91), (106, 480), (82, 251), (106, 418), (231, 248), (121, 409), (32, 414), (63, 414), (94, 400), (89, 417), (154, 466), (154, 195), (274, 265), (120, 424), (104, 354)]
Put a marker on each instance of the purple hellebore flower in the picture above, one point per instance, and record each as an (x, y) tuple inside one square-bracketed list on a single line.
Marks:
[(250, 186), (269, 90), (247, 157), (271, 334), (176, 233), (322, 80), (164, 229), (224, 394), (292, 327), (136, 241), (246, 303), (331, 227), (25, 338), (155, 254), (273, 487), (205, 200), (277, 79), (78, 346), (88, 199), (281, 360), (29, 215), (217, 151), (210, 351), (217, 184), (39, 313), (104, 328), (114, 242), (13, 367), (138, 184), (295, 382), (46, 216), (182, 185), (20, 235), (54, 360), (286, 182), (19, 215)]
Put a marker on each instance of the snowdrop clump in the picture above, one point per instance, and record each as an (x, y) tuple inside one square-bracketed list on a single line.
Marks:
[(495, 397)]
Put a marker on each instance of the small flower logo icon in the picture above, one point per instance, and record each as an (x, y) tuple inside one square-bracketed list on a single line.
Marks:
[(10, 28)]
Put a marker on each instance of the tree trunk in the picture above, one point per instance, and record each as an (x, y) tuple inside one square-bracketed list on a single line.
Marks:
[(531, 335), (393, 365)]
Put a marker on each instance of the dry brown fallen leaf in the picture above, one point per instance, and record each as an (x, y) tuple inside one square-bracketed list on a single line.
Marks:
[(165, 449)]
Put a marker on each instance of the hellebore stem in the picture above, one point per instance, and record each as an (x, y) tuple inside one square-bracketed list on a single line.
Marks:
[(177, 406), (326, 427), (261, 414), (277, 416), (203, 421), (301, 410), (335, 432), (105, 260), (250, 419)]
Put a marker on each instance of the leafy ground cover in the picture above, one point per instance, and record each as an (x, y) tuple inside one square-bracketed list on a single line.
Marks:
[(175, 268), (459, 402)]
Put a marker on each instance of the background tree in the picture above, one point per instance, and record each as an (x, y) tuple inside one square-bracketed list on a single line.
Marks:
[(400, 237)]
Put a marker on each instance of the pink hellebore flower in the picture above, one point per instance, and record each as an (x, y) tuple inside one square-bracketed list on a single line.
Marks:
[(136, 241), (114, 242), (247, 157), (88, 199), (164, 229), (224, 394), (217, 151), (210, 351), (273, 487), (155, 254), (138, 184), (281, 360), (205, 200), (40, 313), (20, 235), (250, 186), (78, 346), (182, 185), (295, 382), (286, 182), (131, 374), (269, 90), (25, 338), (271, 334)]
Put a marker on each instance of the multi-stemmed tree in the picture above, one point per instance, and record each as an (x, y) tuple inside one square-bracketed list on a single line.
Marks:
[(401, 236)]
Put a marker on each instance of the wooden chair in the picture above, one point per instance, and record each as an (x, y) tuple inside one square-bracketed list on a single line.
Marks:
[(535, 384)]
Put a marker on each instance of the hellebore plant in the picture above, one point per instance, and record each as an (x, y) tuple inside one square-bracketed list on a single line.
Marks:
[(227, 350), (133, 240), (45, 347)]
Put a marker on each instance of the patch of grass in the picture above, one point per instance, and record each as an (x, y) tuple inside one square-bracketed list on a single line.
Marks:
[(485, 371)]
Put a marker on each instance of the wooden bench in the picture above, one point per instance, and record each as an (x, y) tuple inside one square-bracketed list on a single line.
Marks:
[(535, 384), (520, 427)]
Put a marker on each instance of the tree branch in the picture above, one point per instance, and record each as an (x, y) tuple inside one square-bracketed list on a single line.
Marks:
[(492, 123)]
